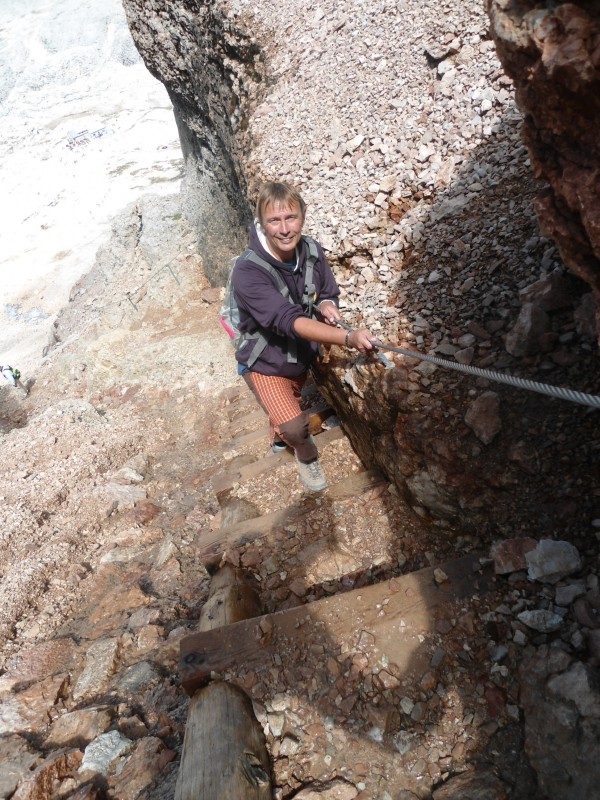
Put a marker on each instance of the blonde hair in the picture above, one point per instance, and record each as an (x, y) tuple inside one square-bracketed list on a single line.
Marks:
[(278, 194)]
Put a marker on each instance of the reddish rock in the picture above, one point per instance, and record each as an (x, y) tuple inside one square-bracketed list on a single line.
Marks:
[(42, 660), (483, 416), (551, 54), (509, 555), (29, 709), (143, 767), (41, 782), (496, 700), (78, 728), (144, 512)]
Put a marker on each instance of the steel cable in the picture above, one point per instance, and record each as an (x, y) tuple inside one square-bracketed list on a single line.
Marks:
[(590, 400)]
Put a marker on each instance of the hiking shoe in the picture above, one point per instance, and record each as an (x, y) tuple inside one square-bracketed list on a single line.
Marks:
[(312, 475), (279, 446), (331, 422)]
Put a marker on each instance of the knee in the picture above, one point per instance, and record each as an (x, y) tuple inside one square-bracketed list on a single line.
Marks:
[(295, 431)]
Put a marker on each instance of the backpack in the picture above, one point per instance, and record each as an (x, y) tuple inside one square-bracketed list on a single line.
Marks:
[(229, 315)]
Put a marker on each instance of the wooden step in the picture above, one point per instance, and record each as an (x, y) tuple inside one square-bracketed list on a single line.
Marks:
[(390, 623), (211, 544), (248, 422), (314, 427), (224, 482), (243, 404)]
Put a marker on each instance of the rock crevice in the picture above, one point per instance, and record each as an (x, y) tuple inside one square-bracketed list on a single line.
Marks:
[(212, 69)]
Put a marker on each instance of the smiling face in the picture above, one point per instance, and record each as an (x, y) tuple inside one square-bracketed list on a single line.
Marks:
[(282, 225)]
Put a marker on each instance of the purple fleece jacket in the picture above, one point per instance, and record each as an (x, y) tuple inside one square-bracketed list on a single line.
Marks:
[(262, 306)]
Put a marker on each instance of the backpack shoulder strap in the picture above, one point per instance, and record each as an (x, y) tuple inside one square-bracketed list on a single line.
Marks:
[(250, 255), (260, 337), (309, 296)]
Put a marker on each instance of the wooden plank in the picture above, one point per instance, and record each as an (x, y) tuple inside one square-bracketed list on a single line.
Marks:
[(248, 421), (242, 404), (249, 438), (231, 599), (224, 482), (224, 755), (391, 620), (210, 545), (314, 427)]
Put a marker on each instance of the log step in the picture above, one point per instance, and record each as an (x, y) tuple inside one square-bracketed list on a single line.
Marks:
[(248, 422), (242, 404), (223, 482), (314, 427), (211, 545), (391, 623)]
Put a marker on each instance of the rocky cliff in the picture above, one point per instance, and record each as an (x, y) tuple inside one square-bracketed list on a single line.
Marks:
[(552, 53), (210, 67), (398, 124)]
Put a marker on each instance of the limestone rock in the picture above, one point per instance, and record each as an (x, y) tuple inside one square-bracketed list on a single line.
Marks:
[(483, 417), (541, 620), (523, 339), (477, 785), (560, 704), (550, 561), (17, 757), (336, 790), (102, 751), (100, 663), (578, 685), (213, 195)]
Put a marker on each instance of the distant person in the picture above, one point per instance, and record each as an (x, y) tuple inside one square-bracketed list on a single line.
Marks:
[(276, 368), (12, 377)]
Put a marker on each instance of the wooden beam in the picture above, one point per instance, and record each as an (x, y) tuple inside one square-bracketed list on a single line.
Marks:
[(395, 617), (224, 482), (231, 599), (248, 420), (211, 544), (224, 756), (240, 405), (314, 427)]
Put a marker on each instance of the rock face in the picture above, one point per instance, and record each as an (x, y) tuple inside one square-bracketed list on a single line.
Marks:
[(420, 193), (560, 702), (553, 56), (207, 65)]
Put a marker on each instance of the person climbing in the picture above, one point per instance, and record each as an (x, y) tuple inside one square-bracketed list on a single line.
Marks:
[(288, 305)]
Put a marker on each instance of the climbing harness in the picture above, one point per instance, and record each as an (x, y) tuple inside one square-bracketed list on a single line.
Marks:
[(593, 401)]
